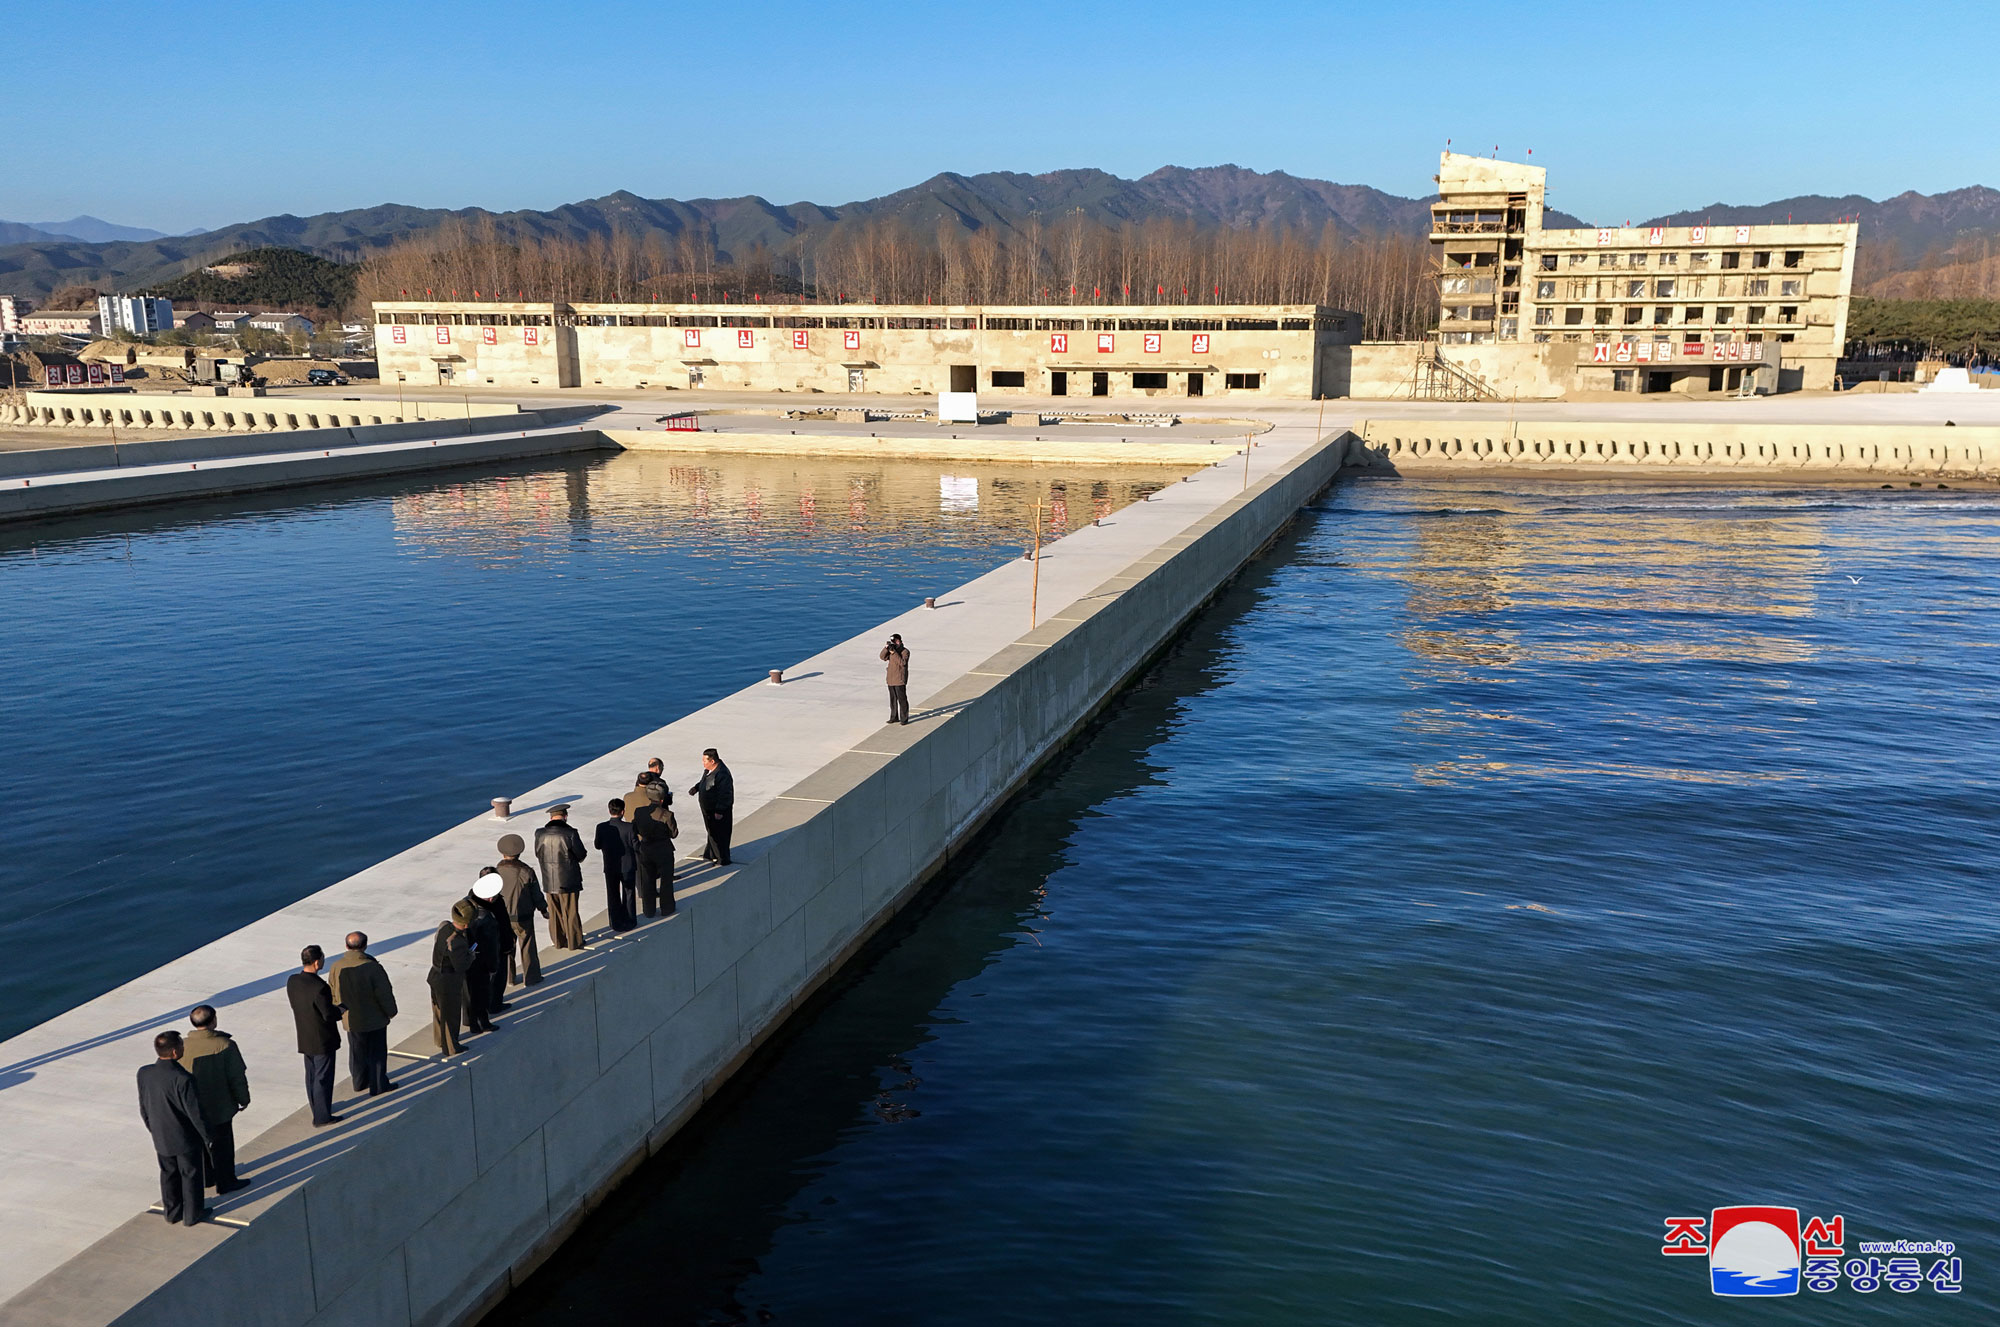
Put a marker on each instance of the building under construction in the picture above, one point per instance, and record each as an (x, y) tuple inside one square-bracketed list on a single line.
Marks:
[(1693, 308)]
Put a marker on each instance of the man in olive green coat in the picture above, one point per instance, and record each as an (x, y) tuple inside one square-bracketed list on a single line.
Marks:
[(521, 890), (367, 1003), (451, 959), (223, 1086)]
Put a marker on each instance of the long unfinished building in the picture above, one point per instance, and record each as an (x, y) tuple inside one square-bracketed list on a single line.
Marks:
[(1690, 309), (1042, 350)]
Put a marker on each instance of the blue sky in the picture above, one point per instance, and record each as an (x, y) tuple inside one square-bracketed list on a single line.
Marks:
[(1634, 108)]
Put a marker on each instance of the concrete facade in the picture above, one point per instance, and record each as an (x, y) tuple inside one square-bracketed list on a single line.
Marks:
[(1654, 309), (1174, 351), (427, 1206)]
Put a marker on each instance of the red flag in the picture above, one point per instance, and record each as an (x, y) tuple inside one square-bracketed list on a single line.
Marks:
[(1159, 290), (406, 294), (1128, 292), (1095, 293)]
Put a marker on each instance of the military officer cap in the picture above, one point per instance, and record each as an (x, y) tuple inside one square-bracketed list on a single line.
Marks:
[(463, 912), (511, 845), (560, 809), (487, 886)]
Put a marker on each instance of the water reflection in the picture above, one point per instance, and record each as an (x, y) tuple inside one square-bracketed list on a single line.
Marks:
[(319, 671), (640, 501)]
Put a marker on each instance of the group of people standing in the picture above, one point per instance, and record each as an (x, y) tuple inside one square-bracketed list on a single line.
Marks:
[(191, 1093)]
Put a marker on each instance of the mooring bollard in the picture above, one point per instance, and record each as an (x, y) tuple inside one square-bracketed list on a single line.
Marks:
[(503, 807), (930, 601), (777, 677)]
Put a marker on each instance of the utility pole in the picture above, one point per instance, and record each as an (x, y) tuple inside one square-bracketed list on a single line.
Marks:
[(1035, 581)]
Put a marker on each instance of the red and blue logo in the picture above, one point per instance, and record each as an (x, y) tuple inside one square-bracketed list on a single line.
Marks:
[(1753, 1250)]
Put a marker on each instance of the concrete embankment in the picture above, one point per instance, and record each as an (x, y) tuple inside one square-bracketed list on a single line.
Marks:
[(976, 444), (56, 481), (426, 1205), (1843, 452)]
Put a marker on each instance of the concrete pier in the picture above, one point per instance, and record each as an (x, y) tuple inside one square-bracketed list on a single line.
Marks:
[(427, 1205)]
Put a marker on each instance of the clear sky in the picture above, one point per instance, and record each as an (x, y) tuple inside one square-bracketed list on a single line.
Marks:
[(199, 114)]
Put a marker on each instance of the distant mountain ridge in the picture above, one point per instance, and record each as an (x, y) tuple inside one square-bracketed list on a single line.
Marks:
[(91, 230), (1910, 228)]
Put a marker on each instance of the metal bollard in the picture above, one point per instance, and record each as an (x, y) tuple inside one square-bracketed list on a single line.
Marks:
[(502, 807), (777, 677), (930, 601)]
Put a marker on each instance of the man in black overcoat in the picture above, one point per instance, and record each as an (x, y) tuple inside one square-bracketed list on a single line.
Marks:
[(171, 1110)]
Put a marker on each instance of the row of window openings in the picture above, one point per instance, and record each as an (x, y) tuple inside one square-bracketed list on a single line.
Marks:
[(1665, 288), (1700, 258), (1663, 315), (1140, 381), (1693, 339)]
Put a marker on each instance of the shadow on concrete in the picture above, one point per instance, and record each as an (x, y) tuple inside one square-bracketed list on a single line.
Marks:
[(12, 1075)]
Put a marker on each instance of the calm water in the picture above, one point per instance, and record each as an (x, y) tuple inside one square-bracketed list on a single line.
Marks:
[(1488, 876), (212, 713)]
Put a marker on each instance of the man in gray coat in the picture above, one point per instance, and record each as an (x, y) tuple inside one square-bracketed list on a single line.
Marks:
[(367, 1003), (522, 897), (171, 1110), (559, 849)]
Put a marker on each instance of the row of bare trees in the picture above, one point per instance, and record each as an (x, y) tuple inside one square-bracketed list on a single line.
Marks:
[(1075, 260)]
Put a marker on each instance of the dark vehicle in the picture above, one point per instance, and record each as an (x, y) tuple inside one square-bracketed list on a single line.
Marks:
[(326, 377)]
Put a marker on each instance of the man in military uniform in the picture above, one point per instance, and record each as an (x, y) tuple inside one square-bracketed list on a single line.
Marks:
[(490, 946), (451, 959), (559, 849), (486, 890), (522, 893)]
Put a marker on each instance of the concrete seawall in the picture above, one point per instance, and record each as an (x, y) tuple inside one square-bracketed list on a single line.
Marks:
[(428, 1205), (1844, 451), (54, 482)]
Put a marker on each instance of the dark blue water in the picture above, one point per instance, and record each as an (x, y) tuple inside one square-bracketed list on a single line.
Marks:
[(1490, 875), (213, 710)]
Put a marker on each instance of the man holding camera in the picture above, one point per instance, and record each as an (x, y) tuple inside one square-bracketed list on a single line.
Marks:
[(897, 656)]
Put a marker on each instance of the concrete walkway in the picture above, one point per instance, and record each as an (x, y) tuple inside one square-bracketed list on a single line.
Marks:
[(36, 495), (75, 1164)]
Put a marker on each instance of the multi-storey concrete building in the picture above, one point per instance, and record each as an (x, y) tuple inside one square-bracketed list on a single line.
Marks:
[(141, 315), (1659, 308), (1052, 350)]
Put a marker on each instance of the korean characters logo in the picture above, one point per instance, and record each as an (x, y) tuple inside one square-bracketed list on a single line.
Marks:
[(1769, 1251)]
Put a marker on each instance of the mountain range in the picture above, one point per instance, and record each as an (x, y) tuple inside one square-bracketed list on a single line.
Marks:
[(1908, 230)]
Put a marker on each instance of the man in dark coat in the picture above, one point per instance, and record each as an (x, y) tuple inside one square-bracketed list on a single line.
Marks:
[(486, 892), (367, 1004), (318, 1024), (523, 895), (490, 945), (171, 1109), (653, 832), (223, 1086), (716, 794), (451, 959), (617, 846), (897, 656), (559, 849)]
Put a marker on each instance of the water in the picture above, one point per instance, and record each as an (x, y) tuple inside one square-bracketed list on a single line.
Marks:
[(212, 711), (1491, 874)]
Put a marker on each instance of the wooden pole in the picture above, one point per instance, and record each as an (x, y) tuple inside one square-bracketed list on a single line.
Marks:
[(1035, 581)]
